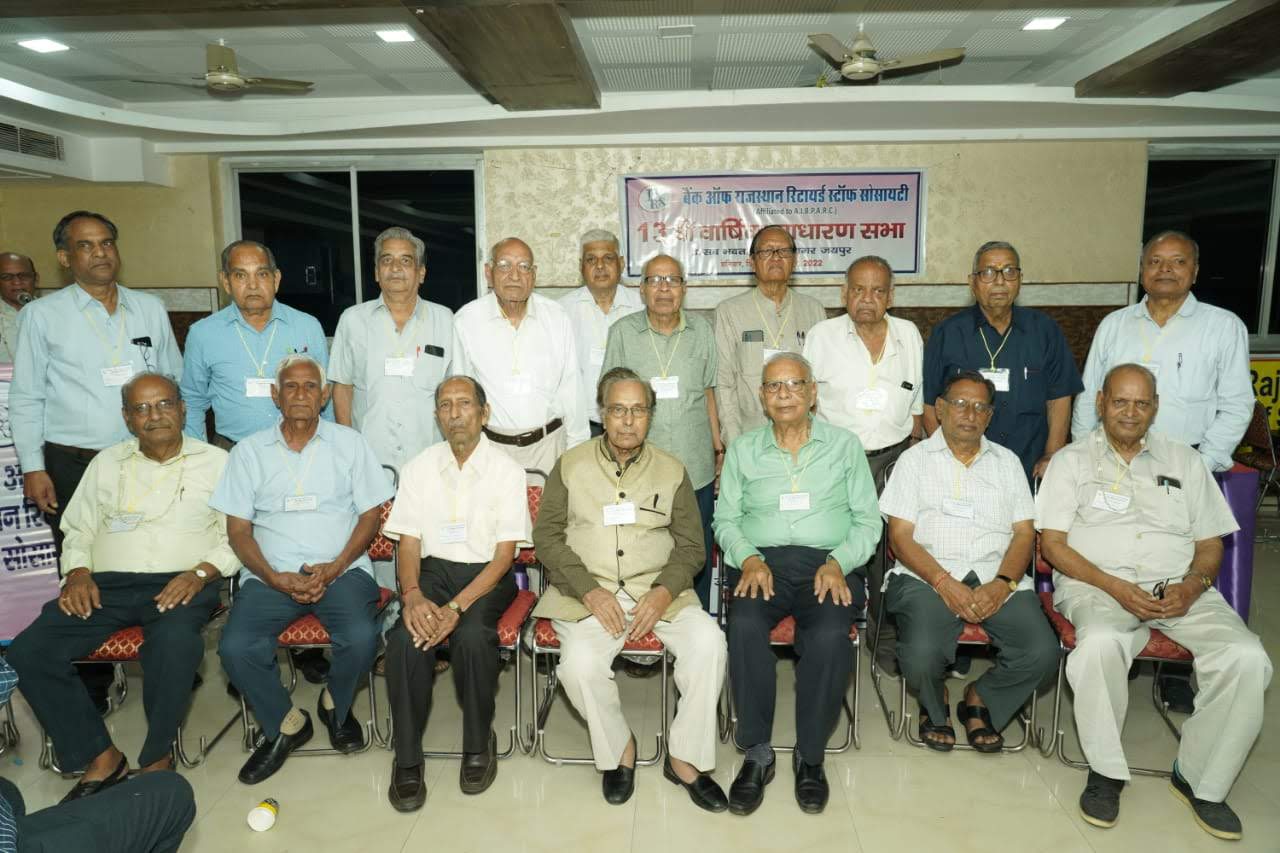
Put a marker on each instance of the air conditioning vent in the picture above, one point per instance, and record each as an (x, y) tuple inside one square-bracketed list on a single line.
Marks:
[(32, 143)]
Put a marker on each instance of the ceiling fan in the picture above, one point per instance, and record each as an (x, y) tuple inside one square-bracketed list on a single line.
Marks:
[(222, 76), (860, 63)]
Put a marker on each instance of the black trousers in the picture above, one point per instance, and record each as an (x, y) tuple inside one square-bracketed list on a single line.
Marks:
[(148, 814), (65, 470), (822, 646), (473, 651), (173, 648)]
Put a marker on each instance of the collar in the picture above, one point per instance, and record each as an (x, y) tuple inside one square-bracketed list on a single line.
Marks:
[(380, 304), (817, 432), (131, 447), (786, 297), (937, 443), (475, 460), (1186, 309), (980, 319), (275, 436), (234, 316), (678, 329), (606, 453), (890, 335), (1153, 445), (495, 310), (82, 298)]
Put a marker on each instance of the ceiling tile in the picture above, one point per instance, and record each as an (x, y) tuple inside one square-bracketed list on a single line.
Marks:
[(236, 36), (1014, 42), (1021, 16), (762, 47), (362, 31), (757, 76), (409, 56), (292, 59), (433, 83), (633, 15), (640, 49), (907, 11), (109, 37), (189, 59), (896, 43), (646, 79)]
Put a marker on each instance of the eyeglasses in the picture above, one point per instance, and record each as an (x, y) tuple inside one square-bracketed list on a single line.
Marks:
[(598, 260), (637, 412), (7, 277), (1119, 404), (783, 252), (405, 261), (879, 294), (1162, 587), (988, 274), (978, 407), (168, 404), (446, 406), (795, 386), (672, 281), (522, 267)]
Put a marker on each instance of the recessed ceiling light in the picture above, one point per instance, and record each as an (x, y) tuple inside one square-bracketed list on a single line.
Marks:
[(395, 35), (1044, 23), (676, 31), (43, 45)]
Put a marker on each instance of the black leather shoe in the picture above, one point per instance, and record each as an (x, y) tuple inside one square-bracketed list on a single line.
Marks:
[(618, 785), (408, 789), (479, 769), (345, 737), (84, 789), (269, 755), (312, 664), (747, 791), (812, 790), (704, 791)]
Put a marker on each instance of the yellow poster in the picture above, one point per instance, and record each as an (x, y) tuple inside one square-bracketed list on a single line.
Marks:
[(1265, 370)]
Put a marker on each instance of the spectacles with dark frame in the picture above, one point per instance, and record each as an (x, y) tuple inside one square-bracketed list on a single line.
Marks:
[(659, 280), (619, 411), (520, 267), (783, 252), (986, 275), (978, 407), (795, 386), (168, 404)]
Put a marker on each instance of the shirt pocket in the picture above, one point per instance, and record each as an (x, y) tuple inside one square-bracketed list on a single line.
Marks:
[(1032, 389), (428, 371), (1164, 508), (653, 509)]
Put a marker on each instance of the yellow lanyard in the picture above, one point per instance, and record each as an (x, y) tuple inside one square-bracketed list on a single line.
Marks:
[(398, 338), (259, 364), (793, 474), (987, 346), (124, 491), (298, 478), (1149, 346), (776, 340), (873, 371), (665, 368), (117, 352)]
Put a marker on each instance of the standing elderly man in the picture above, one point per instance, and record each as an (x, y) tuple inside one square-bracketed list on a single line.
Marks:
[(229, 355), (619, 537), (1021, 351), (142, 548), (18, 282), (676, 350), (796, 515), (303, 502), (1132, 522), (459, 513), (594, 308), (750, 327), (519, 345), (960, 523)]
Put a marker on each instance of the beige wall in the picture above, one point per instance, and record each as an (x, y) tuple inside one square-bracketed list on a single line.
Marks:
[(168, 235), (1074, 209)]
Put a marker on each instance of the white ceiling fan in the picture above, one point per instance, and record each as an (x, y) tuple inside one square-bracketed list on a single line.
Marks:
[(859, 63), (222, 76)]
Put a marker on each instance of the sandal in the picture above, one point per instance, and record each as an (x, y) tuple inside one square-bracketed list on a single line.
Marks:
[(965, 713), (928, 728)]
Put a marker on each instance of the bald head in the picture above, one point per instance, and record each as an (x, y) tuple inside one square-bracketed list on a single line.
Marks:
[(1130, 371), (18, 278)]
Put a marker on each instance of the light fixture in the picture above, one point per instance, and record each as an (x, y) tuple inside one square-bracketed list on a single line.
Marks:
[(1044, 23), (43, 45), (395, 35)]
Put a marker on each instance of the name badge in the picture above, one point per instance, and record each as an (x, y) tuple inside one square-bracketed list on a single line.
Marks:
[(666, 387), (958, 508), (999, 377), (257, 386), (397, 367), (300, 503), (619, 513), (114, 377), (597, 355), (1110, 501), (125, 522), (769, 353), (793, 501), (871, 399), (519, 385), (453, 533)]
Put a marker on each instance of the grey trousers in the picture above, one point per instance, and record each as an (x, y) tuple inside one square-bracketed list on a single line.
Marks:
[(1026, 648)]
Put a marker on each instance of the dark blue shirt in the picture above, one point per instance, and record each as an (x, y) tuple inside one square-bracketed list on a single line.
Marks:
[(1040, 367)]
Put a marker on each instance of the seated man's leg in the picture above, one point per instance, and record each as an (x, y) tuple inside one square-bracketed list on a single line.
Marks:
[(825, 662), (148, 814), (347, 611), (587, 651), (752, 664), (701, 654), (248, 651), (1026, 656), (473, 650), (927, 636)]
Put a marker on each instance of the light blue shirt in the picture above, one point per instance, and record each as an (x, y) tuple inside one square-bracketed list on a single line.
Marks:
[(337, 466), (65, 340), (218, 362)]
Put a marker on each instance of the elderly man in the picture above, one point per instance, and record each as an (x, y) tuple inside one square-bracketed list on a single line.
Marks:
[(594, 308), (1021, 351), (391, 353), (229, 355), (752, 326), (142, 548), (619, 537), (18, 282), (303, 502), (520, 347), (459, 513), (796, 515), (960, 523), (1132, 522), (676, 351)]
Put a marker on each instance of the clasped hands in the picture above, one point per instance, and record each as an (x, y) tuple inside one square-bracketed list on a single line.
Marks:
[(648, 610), (308, 585), (973, 605), (428, 623)]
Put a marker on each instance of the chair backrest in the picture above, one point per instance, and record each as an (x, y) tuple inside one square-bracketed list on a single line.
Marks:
[(382, 548), (534, 496), (1258, 435)]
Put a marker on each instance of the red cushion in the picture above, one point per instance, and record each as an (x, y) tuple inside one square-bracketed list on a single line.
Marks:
[(1159, 646), (526, 557), (382, 548), (307, 630), (513, 619), (784, 633), (974, 635), (544, 635), (121, 647), (534, 496)]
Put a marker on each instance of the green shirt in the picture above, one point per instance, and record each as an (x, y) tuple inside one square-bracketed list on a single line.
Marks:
[(832, 469), (680, 426)]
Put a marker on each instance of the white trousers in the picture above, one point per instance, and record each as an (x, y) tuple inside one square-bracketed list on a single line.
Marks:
[(587, 651), (1232, 671)]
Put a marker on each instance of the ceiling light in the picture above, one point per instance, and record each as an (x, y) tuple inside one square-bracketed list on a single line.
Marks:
[(43, 45), (395, 35), (1044, 23), (676, 31)]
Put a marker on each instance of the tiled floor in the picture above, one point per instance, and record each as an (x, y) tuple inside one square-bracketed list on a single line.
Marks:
[(887, 796)]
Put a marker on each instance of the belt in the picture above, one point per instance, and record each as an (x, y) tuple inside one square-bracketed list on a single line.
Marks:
[(871, 454), (525, 439), (81, 453)]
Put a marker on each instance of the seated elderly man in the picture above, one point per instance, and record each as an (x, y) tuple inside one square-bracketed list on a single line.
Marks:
[(303, 503), (960, 523), (142, 548), (1132, 522), (621, 540), (459, 513), (796, 515)]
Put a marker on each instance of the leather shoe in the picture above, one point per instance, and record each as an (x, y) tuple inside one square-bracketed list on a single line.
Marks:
[(84, 789), (269, 755), (479, 769), (408, 789), (345, 737), (812, 790), (618, 785), (703, 790), (747, 791)]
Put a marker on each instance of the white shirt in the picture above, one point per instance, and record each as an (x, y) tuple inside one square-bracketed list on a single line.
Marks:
[(9, 331), (963, 517), (486, 497), (874, 401), (529, 372), (1201, 362), (591, 333)]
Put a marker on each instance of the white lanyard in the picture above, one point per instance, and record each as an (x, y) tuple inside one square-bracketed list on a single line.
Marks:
[(298, 478), (259, 364)]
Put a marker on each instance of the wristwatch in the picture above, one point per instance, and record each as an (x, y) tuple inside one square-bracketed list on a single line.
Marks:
[(1013, 584), (202, 574), (453, 605), (1205, 580)]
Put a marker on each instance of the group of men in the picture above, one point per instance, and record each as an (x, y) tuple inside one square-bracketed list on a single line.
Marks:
[(636, 410)]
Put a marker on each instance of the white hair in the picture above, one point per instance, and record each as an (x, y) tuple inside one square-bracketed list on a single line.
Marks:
[(599, 235), (299, 358)]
